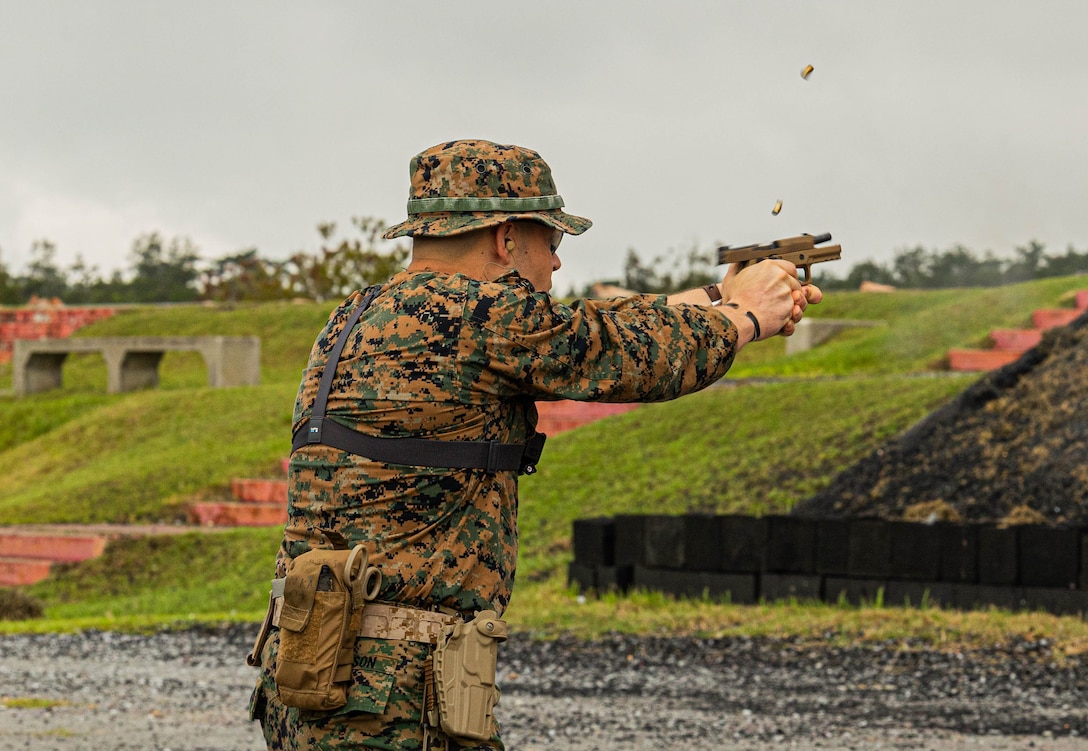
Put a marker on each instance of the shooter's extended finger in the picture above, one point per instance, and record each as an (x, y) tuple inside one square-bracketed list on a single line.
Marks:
[(800, 302)]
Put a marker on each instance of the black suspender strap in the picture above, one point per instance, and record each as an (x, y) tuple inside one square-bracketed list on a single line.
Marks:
[(317, 416), (328, 373), (491, 456)]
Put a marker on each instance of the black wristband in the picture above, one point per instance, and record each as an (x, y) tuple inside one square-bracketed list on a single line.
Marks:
[(755, 322)]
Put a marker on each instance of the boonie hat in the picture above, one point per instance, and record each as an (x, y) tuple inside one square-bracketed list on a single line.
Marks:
[(460, 186)]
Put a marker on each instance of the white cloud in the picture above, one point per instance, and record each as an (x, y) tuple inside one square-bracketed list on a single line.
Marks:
[(246, 124), (101, 233)]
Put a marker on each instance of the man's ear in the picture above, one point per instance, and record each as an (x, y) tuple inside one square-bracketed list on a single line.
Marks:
[(505, 242)]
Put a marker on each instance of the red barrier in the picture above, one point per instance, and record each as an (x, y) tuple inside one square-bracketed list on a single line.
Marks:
[(224, 514), (1015, 340), (44, 321), (973, 360), (51, 547), (259, 491), (1050, 318), (557, 417), (15, 572)]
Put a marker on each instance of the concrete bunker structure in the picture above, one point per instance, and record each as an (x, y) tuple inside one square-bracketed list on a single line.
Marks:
[(815, 331), (132, 362)]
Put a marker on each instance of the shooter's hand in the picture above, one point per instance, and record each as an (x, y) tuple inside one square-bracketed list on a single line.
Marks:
[(767, 296), (809, 294), (728, 279)]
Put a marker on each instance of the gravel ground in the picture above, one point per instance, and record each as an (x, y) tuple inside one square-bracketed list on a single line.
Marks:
[(188, 690)]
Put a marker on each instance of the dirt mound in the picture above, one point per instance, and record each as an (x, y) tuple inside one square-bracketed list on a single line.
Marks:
[(1013, 443)]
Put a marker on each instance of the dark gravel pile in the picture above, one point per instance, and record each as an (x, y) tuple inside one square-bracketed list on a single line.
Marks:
[(188, 690), (1015, 440)]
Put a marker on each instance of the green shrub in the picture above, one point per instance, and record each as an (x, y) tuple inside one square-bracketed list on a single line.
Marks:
[(18, 606)]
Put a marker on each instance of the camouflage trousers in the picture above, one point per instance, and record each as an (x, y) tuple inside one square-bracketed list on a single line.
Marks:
[(384, 709)]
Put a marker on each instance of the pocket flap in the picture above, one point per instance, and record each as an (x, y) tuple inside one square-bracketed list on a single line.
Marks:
[(299, 590)]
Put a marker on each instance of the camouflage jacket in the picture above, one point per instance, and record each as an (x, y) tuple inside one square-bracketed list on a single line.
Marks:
[(455, 359)]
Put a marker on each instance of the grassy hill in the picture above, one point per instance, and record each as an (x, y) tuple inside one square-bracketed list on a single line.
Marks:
[(79, 455)]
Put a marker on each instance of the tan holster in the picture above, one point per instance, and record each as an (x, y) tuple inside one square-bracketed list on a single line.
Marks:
[(461, 692)]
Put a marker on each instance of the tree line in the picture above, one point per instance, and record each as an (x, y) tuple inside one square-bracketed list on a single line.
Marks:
[(918, 268), (913, 268), (171, 270)]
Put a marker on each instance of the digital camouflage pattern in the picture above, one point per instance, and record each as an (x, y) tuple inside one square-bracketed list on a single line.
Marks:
[(460, 186), (384, 708), (452, 358)]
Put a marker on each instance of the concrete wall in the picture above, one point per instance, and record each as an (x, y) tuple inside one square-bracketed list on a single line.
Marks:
[(811, 332), (133, 362)]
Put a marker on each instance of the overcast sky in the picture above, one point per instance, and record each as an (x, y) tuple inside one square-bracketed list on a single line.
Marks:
[(670, 125)]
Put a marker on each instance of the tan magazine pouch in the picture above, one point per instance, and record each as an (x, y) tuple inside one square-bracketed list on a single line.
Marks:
[(323, 599), (464, 676)]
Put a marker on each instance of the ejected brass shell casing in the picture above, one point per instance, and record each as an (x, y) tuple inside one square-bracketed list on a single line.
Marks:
[(804, 73), (777, 208)]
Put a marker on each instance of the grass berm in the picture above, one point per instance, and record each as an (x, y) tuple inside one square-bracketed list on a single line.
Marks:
[(791, 427)]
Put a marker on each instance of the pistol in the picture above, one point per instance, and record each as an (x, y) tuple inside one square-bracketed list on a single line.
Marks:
[(801, 251)]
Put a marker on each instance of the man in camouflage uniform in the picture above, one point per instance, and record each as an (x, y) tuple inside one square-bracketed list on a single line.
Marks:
[(458, 347)]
